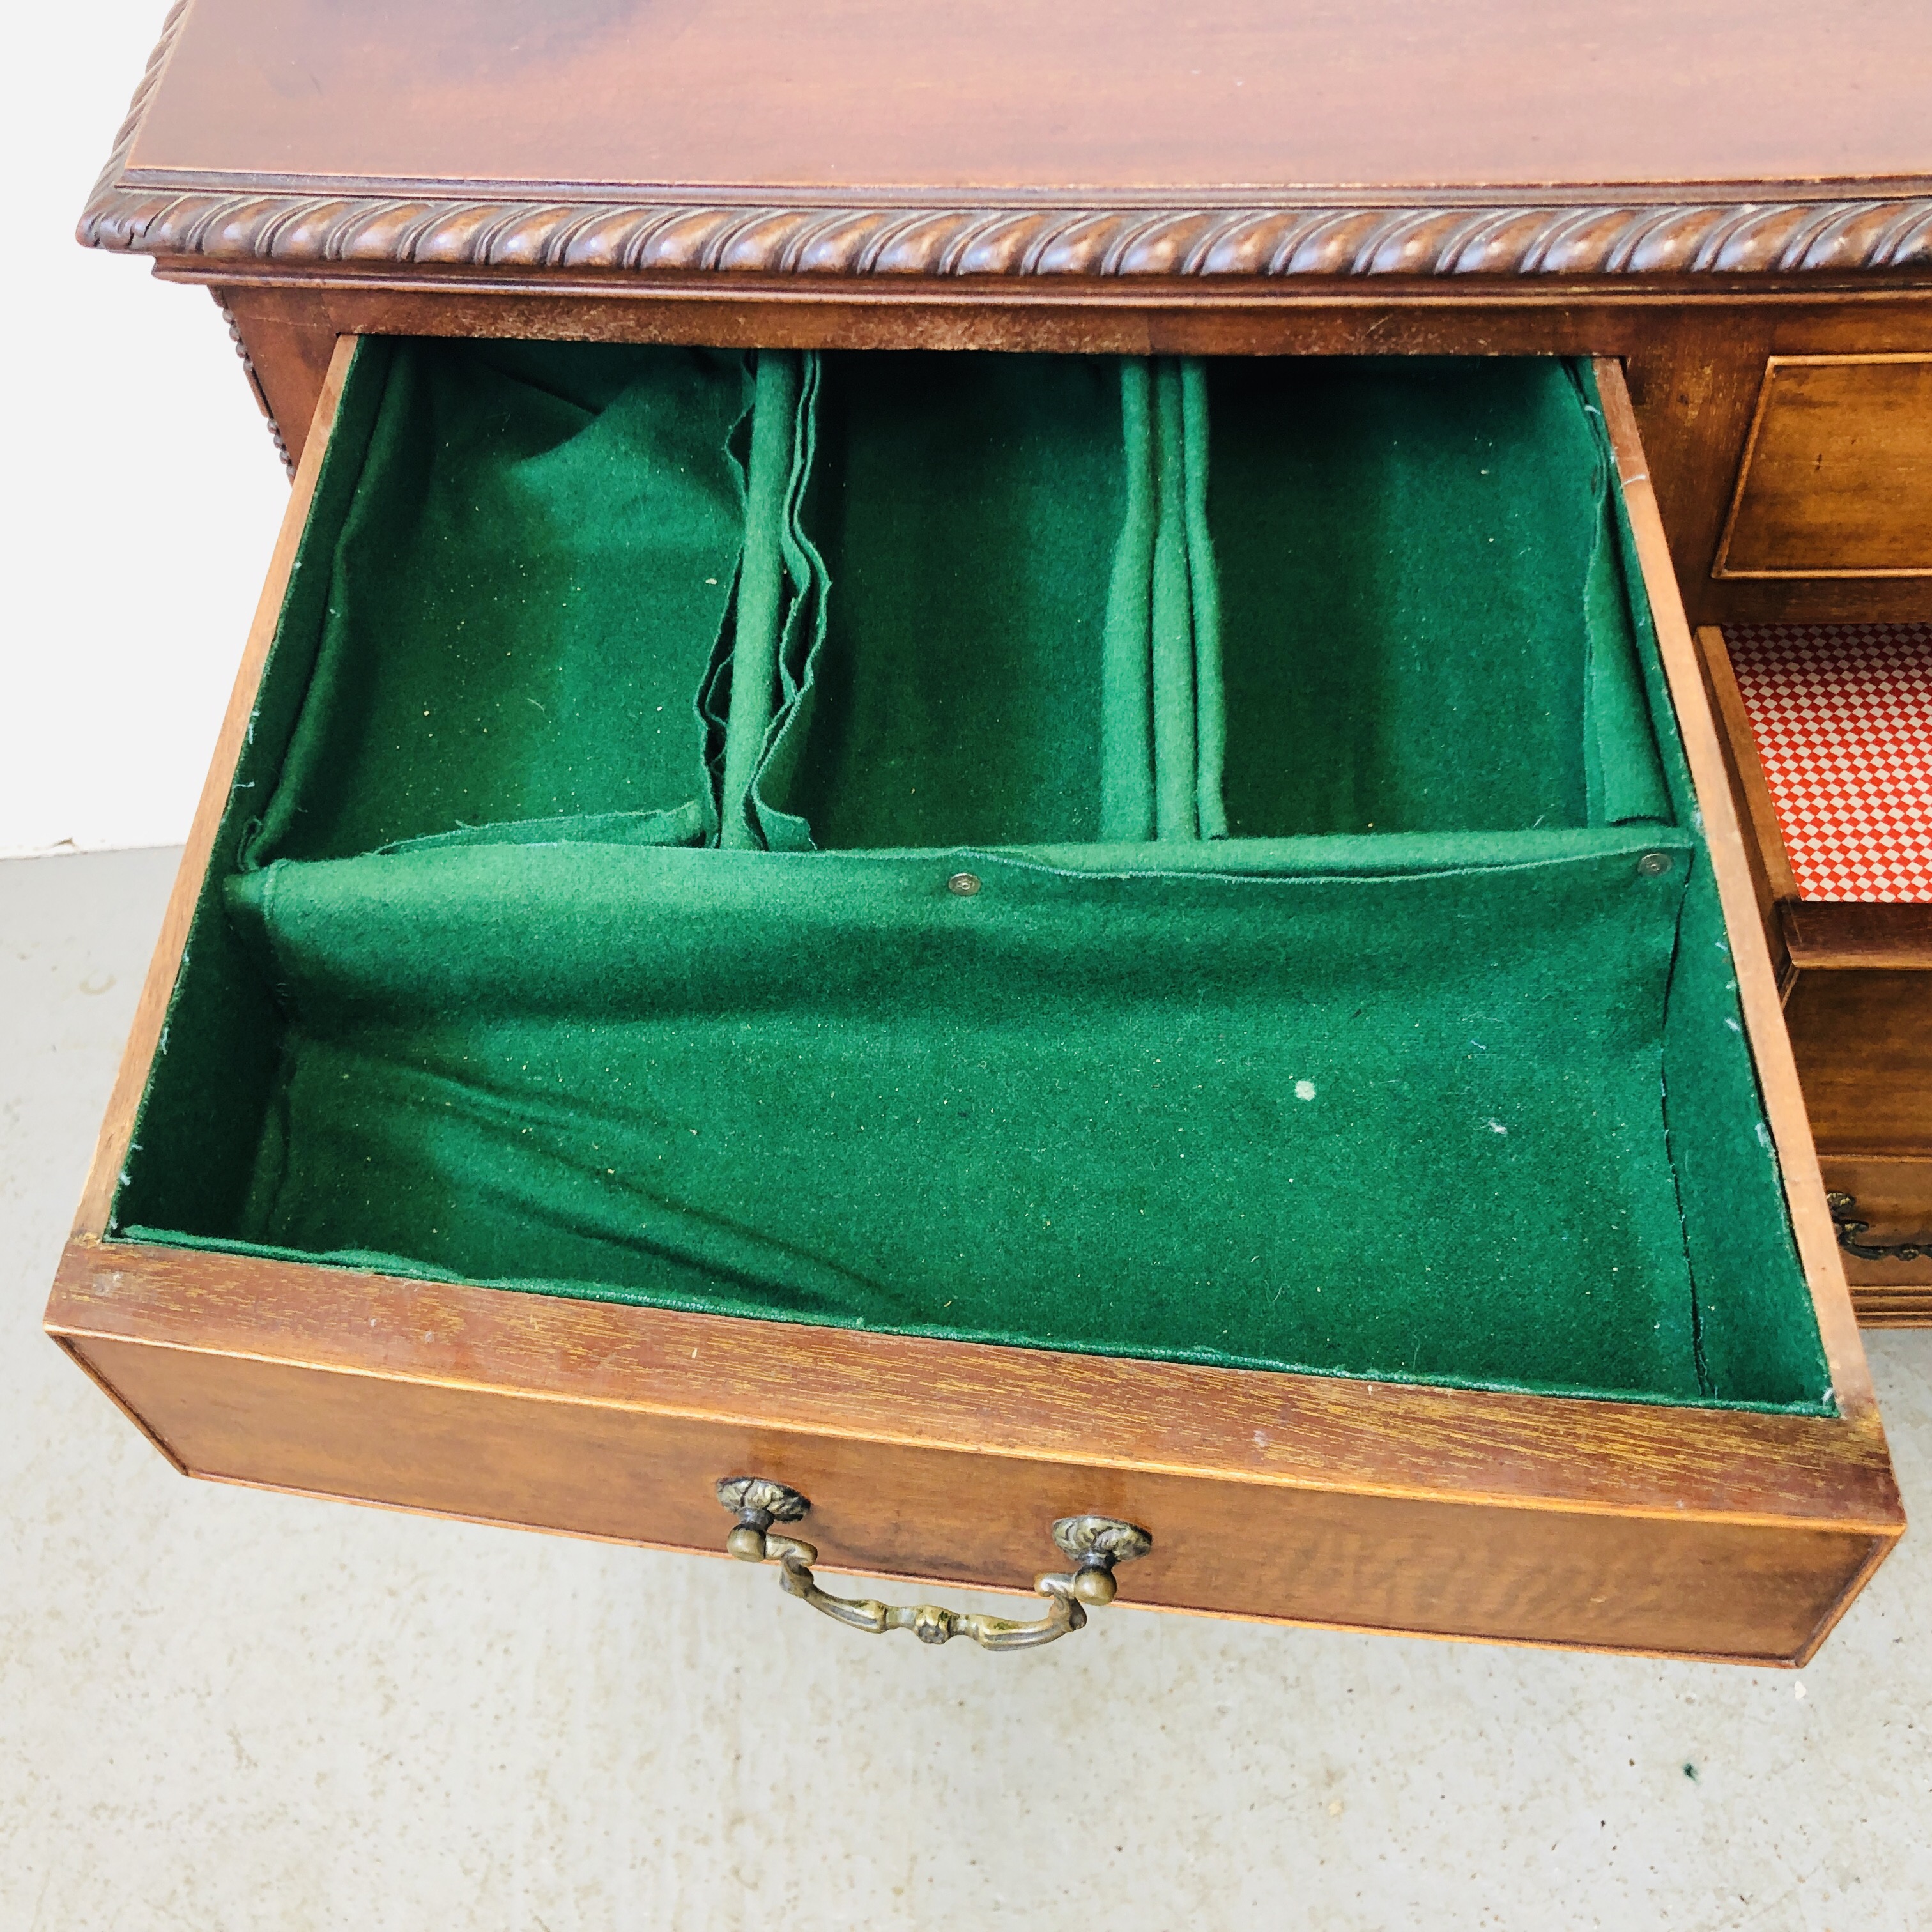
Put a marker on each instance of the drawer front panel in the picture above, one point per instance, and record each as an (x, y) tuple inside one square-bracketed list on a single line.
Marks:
[(1863, 1038), (1761, 1592), (1837, 479)]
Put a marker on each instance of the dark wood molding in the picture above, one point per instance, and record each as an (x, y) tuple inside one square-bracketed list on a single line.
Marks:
[(764, 234), (1741, 228), (1826, 933), (249, 370), (105, 187), (1574, 227)]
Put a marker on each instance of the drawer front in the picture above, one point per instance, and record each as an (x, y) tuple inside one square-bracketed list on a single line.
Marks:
[(1287, 1498), (1863, 1042), (1322, 1498), (1837, 478), (1884, 1207)]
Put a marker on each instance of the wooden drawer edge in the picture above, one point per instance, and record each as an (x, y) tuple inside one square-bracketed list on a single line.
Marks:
[(1317, 1432)]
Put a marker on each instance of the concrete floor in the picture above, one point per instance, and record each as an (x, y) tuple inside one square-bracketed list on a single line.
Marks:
[(220, 1709)]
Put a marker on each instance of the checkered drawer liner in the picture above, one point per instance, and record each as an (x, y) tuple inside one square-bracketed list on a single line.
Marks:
[(1843, 714)]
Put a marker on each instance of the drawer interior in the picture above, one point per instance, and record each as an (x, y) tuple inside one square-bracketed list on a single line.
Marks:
[(1182, 860)]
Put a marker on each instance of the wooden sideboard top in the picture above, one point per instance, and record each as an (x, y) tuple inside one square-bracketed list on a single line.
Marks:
[(1579, 137)]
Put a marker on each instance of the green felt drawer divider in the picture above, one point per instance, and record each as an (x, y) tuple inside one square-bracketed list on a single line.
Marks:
[(1299, 1109), (1161, 726)]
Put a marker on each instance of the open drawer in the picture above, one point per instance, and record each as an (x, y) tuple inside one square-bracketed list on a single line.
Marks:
[(992, 939)]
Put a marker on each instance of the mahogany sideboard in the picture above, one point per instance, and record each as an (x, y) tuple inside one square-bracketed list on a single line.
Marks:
[(1722, 217)]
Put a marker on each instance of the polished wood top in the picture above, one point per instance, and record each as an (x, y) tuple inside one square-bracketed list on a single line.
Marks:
[(1006, 93), (1636, 135)]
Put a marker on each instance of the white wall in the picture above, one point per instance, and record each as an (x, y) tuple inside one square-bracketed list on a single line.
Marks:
[(140, 493)]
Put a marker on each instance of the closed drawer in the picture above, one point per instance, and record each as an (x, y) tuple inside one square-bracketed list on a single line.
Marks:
[(994, 939), (1836, 477)]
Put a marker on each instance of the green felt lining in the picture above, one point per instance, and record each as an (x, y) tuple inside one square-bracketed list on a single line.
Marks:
[(732, 1067), (506, 990)]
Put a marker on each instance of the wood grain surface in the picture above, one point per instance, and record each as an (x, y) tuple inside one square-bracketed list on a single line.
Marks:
[(1863, 1036), (1244, 1426), (1125, 95), (1301, 1499), (1837, 475), (1821, 933)]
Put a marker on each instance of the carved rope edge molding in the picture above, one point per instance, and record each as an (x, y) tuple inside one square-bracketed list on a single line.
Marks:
[(1781, 237), (634, 237)]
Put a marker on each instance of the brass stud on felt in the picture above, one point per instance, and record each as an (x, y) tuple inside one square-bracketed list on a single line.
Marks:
[(963, 885)]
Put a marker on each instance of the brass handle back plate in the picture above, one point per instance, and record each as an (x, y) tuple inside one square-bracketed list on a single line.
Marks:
[(1094, 1543)]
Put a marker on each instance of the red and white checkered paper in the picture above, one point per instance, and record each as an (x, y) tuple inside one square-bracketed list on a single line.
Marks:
[(1843, 714)]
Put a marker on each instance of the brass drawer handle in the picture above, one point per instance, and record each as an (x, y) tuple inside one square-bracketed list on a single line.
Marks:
[(1848, 1230), (1095, 1543)]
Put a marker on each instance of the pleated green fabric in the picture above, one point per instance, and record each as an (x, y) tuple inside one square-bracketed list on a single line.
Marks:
[(1134, 856), (966, 508), (490, 651), (760, 614), (1163, 705)]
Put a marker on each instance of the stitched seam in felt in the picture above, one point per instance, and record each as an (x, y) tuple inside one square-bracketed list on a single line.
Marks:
[(686, 824), (715, 683), (1737, 1222), (1704, 1384), (1023, 859), (266, 1192)]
